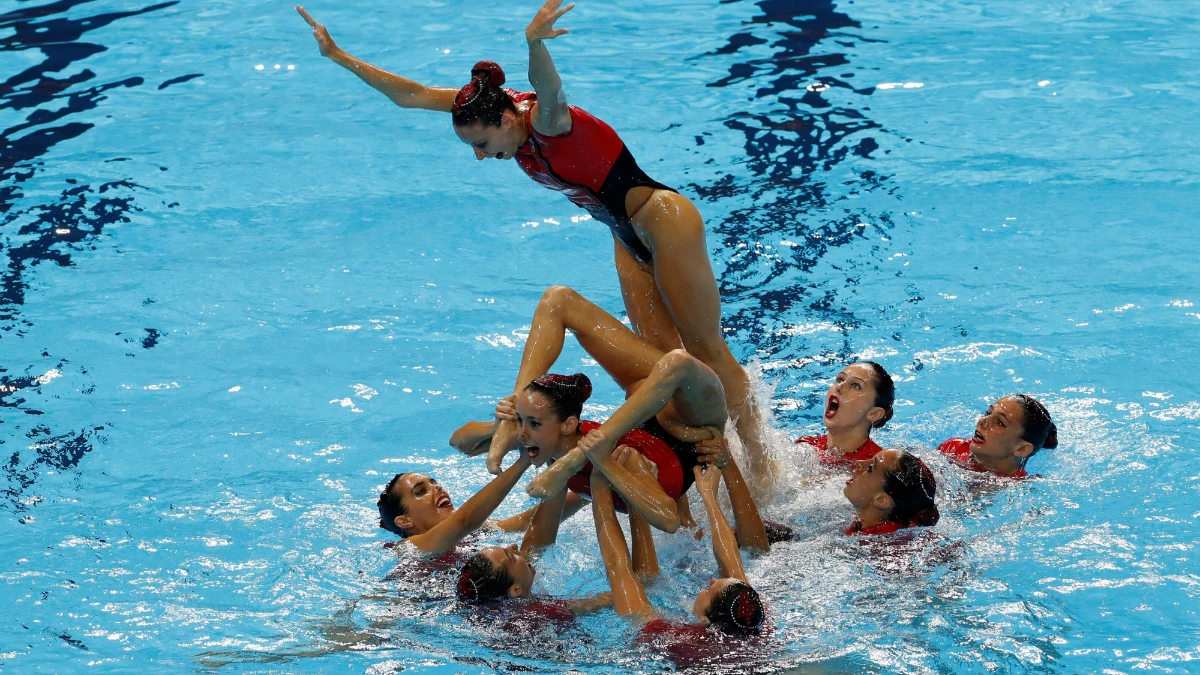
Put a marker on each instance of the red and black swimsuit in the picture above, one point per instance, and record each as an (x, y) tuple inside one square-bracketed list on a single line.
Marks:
[(673, 457), (591, 166)]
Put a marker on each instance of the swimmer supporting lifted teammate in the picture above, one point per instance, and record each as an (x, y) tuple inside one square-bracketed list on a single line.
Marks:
[(667, 281)]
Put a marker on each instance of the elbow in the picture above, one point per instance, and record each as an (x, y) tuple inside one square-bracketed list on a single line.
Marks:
[(670, 524)]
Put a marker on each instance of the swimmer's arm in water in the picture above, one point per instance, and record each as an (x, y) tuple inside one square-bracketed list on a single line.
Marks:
[(750, 529), (725, 548), (521, 521), (471, 515), (590, 605), (402, 91), (543, 530), (475, 437), (636, 484), (628, 594), (551, 116)]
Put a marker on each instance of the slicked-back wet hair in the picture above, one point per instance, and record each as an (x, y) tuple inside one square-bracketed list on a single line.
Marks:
[(737, 610), (391, 506)]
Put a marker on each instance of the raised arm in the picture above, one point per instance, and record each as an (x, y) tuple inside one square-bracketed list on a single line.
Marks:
[(543, 528), (402, 91), (551, 116), (750, 529), (725, 548), (471, 515), (628, 594)]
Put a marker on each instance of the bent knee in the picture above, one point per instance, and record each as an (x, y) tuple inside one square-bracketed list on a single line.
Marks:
[(558, 296)]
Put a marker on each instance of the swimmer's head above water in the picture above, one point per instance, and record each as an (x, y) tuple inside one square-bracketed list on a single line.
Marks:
[(548, 411), (495, 573), (413, 503), (862, 394), (894, 488), (485, 116), (731, 606), (1012, 430)]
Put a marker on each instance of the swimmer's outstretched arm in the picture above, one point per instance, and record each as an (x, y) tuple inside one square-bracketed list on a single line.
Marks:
[(628, 594), (402, 91), (725, 547), (551, 116), (750, 529), (471, 515)]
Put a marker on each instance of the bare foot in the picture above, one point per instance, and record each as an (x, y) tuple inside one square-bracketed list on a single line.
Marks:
[(504, 438), (554, 479)]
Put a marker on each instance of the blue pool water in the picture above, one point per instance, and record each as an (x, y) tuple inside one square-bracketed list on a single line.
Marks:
[(240, 290)]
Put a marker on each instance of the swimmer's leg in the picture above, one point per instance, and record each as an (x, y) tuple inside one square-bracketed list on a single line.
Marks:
[(645, 558), (622, 354), (644, 303), (686, 519), (684, 276)]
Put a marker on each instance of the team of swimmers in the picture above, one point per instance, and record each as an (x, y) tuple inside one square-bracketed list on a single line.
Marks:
[(682, 385)]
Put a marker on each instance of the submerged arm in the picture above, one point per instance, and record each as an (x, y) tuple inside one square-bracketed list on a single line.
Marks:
[(402, 91)]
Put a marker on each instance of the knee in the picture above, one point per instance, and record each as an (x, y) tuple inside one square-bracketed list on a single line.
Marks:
[(676, 361), (712, 351), (557, 297)]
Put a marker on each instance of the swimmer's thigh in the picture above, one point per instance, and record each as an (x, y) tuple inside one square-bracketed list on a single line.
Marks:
[(648, 312)]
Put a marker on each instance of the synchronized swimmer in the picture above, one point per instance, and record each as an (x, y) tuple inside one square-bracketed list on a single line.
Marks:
[(682, 386)]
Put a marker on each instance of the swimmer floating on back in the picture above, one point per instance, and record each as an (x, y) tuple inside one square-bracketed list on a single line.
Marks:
[(859, 400), (673, 401), (667, 282), (1012, 430)]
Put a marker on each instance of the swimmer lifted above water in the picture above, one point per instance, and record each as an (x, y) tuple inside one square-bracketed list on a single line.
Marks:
[(674, 407), (662, 261)]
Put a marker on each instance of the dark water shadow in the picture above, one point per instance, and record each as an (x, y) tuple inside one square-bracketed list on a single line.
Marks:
[(36, 230), (791, 152)]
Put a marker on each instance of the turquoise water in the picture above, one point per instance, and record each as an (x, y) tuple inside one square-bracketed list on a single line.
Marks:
[(236, 300)]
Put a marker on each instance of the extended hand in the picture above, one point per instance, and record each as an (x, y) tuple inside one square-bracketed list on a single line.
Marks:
[(714, 451), (708, 477), (596, 444), (324, 42), (506, 409), (542, 26)]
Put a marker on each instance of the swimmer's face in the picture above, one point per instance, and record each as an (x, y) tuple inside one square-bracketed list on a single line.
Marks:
[(425, 503), (850, 401), (511, 561), (497, 142), (998, 434), (705, 598), (865, 487), (541, 434)]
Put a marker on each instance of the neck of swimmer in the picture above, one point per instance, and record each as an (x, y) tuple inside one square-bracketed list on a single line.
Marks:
[(846, 441), (871, 515), (569, 443), (1001, 467)]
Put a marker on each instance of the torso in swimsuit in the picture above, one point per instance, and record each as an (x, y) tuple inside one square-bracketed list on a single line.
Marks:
[(674, 460), (591, 166)]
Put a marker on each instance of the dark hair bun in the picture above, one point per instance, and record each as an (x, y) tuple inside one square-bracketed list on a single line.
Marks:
[(493, 71), (1051, 437), (582, 384), (927, 517)]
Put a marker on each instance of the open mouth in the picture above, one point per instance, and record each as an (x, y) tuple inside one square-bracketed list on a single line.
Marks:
[(831, 406), (977, 438), (499, 155), (532, 451), (444, 502)]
